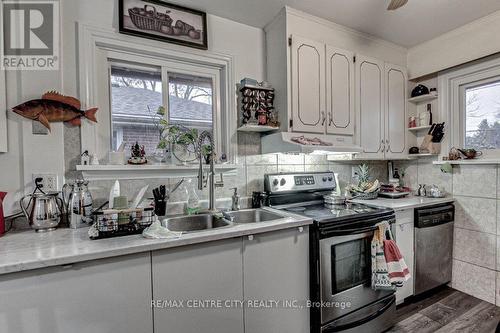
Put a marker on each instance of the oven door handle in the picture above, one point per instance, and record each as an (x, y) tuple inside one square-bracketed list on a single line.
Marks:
[(362, 321), (344, 232)]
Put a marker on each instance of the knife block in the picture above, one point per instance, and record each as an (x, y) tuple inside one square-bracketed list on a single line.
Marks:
[(429, 147)]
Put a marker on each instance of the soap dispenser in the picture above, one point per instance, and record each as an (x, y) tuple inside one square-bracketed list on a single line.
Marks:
[(235, 199)]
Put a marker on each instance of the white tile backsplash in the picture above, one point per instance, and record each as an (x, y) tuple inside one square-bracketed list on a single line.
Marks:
[(476, 214), (475, 247)]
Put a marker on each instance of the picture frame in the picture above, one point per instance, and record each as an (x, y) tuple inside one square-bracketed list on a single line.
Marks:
[(163, 21)]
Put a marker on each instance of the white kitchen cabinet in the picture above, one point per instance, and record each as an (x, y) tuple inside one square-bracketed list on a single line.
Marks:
[(107, 295), (370, 106), (339, 91), (381, 106), (404, 231), (201, 272), (308, 85), (395, 111), (276, 267)]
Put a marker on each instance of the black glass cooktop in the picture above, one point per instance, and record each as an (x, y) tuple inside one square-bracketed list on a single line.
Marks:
[(327, 213)]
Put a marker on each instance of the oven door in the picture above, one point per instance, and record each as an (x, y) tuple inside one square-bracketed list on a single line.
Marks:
[(345, 266)]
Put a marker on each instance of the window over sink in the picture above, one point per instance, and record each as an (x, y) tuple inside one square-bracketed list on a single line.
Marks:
[(137, 82)]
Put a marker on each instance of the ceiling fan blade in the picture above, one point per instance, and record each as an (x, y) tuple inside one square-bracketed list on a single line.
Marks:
[(395, 4)]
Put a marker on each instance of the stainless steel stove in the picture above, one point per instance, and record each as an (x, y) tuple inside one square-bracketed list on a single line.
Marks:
[(340, 252)]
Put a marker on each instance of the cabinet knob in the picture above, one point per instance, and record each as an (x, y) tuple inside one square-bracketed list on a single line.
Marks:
[(250, 237), (301, 229)]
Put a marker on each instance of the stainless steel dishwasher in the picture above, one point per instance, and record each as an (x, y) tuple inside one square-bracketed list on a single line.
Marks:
[(433, 246)]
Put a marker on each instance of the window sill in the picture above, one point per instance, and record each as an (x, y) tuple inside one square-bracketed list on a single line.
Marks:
[(477, 161), (146, 171)]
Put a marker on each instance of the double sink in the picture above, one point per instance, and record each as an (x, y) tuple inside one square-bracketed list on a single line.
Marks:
[(202, 222)]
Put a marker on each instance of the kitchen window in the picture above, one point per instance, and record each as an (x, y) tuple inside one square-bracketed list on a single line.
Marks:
[(470, 106), (482, 115), (138, 103), (129, 79)]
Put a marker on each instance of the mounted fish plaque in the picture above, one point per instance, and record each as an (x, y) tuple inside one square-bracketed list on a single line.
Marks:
[(54, 107)]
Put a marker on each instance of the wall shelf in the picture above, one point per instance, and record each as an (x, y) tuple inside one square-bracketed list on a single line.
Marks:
[(146, 171), (419, 128), (415, 156), (423, 98), (257, 128), (469, 162)]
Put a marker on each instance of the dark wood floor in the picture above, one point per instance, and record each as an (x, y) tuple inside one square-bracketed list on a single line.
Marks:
[(447, 310)]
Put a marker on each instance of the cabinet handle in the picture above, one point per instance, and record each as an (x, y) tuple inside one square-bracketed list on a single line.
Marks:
[(250, 237), (324, 118), (301, 229), (383, 145)]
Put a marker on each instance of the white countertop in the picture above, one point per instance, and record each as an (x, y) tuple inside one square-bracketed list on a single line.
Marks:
[(27, 249), (404, 203)]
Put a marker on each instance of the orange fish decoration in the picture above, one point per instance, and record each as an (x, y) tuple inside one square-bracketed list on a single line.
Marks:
[(54, 107)]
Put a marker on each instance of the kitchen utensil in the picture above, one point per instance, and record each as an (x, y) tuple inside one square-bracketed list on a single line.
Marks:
[(334, 199), (470, 153), (160, 198), (2, 218), (139, 197), (80, 205), (45, 210), (114, 192)]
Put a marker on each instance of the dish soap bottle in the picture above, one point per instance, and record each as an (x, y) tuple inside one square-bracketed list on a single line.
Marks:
[(192, 206)]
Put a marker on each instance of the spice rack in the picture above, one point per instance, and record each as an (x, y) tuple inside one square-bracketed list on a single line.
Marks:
[(257, 109)]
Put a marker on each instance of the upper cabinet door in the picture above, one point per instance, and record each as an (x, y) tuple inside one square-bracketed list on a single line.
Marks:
[(395, 134), (370, 106), (339, 91), (308, 85)]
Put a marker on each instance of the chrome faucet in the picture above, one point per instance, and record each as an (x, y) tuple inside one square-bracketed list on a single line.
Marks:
[(211, 173)]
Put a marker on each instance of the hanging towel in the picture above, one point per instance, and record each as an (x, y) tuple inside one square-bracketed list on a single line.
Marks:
[(396, 266), (380, 274)]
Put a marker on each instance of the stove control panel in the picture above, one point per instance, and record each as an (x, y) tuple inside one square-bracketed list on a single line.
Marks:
[(297, 182)]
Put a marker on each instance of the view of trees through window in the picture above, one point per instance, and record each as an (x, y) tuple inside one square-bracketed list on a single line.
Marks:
[(482, 116), (136, 96)]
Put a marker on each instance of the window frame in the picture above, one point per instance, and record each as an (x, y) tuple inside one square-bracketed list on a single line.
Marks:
[(463, 112), (451, 86), (97, 46)]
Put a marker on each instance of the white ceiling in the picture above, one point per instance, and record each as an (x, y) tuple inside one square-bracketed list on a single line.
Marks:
[(418, 21)]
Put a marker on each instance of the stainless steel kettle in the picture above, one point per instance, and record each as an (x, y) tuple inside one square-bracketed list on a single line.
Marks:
[(45, 210), (80, 205)]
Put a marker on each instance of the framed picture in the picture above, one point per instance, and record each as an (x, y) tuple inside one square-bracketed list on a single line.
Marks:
[(162, 21)]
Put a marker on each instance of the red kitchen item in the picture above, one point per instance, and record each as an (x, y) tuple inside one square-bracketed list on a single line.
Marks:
[(2, 219)]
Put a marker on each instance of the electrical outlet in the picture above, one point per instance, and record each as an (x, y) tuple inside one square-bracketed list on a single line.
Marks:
[(354, 173), (49, 181)]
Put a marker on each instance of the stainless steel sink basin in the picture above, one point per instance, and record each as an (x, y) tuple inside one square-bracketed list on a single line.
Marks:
[(195, 223), (253, 216)]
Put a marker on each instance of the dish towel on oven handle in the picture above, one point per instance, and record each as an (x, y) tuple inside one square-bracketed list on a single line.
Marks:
[(380, 273), (396, 266)]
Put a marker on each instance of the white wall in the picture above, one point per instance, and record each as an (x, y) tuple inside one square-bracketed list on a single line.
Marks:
[(469, 42), (29, 153)]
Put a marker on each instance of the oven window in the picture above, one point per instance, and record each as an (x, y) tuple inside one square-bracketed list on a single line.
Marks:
[(351, 264)]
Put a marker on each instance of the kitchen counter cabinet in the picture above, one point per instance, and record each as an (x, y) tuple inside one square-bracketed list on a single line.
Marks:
[(276, 267), (404, 234), (107, 295), (201, 272)]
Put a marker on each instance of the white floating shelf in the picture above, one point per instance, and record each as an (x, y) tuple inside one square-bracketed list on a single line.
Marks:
[(419, 128), (257, 128), (414, 156), (471, 162), (146, 171), (423, 98)]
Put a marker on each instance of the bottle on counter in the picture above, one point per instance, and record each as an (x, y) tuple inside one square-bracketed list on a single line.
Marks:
[(192, 206)]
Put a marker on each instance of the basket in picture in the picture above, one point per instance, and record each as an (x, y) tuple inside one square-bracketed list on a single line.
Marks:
[(146, 19), (114, 222)]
